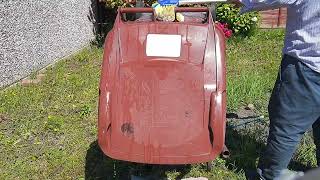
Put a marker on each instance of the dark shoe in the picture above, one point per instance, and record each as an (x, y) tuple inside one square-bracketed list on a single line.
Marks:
[(252, 175)]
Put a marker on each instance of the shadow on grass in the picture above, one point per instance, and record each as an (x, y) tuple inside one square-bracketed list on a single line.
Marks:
[(245, 151), (298, 166), (100, 166)]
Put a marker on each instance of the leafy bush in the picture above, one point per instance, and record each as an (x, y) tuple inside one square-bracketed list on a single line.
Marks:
[(114, 4), (244, 24), (227, 15)]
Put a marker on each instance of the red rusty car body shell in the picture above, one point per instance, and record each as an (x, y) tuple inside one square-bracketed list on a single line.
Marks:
[(159, 110)]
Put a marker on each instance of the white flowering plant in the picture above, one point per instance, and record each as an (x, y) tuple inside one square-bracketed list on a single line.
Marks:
[(244, 24)]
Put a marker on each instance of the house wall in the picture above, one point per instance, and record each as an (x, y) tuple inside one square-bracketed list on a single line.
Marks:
[(34, 34)]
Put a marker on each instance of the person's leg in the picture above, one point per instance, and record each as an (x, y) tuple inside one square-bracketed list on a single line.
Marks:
[(292, 107), (316, 137)]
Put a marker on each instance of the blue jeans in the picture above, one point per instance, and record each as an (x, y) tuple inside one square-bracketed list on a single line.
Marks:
[(293, 108)]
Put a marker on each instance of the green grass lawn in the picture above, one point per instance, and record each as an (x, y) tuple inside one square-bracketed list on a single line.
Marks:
[(48, 130)]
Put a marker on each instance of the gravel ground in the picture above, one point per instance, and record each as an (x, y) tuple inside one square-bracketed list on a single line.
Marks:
[(248, 122)]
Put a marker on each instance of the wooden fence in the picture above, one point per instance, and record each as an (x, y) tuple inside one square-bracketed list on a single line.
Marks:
[(274, 18)]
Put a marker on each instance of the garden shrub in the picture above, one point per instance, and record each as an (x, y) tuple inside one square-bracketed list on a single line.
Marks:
[(244, 24), (227, 15)]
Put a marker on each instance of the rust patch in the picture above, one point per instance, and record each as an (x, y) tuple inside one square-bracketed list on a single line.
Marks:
[(127, 129)]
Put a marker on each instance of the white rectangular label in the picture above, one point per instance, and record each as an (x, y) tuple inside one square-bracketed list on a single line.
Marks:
[(163, 45)]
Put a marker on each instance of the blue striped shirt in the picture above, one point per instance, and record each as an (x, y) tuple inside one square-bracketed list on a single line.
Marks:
[(302, 38)]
